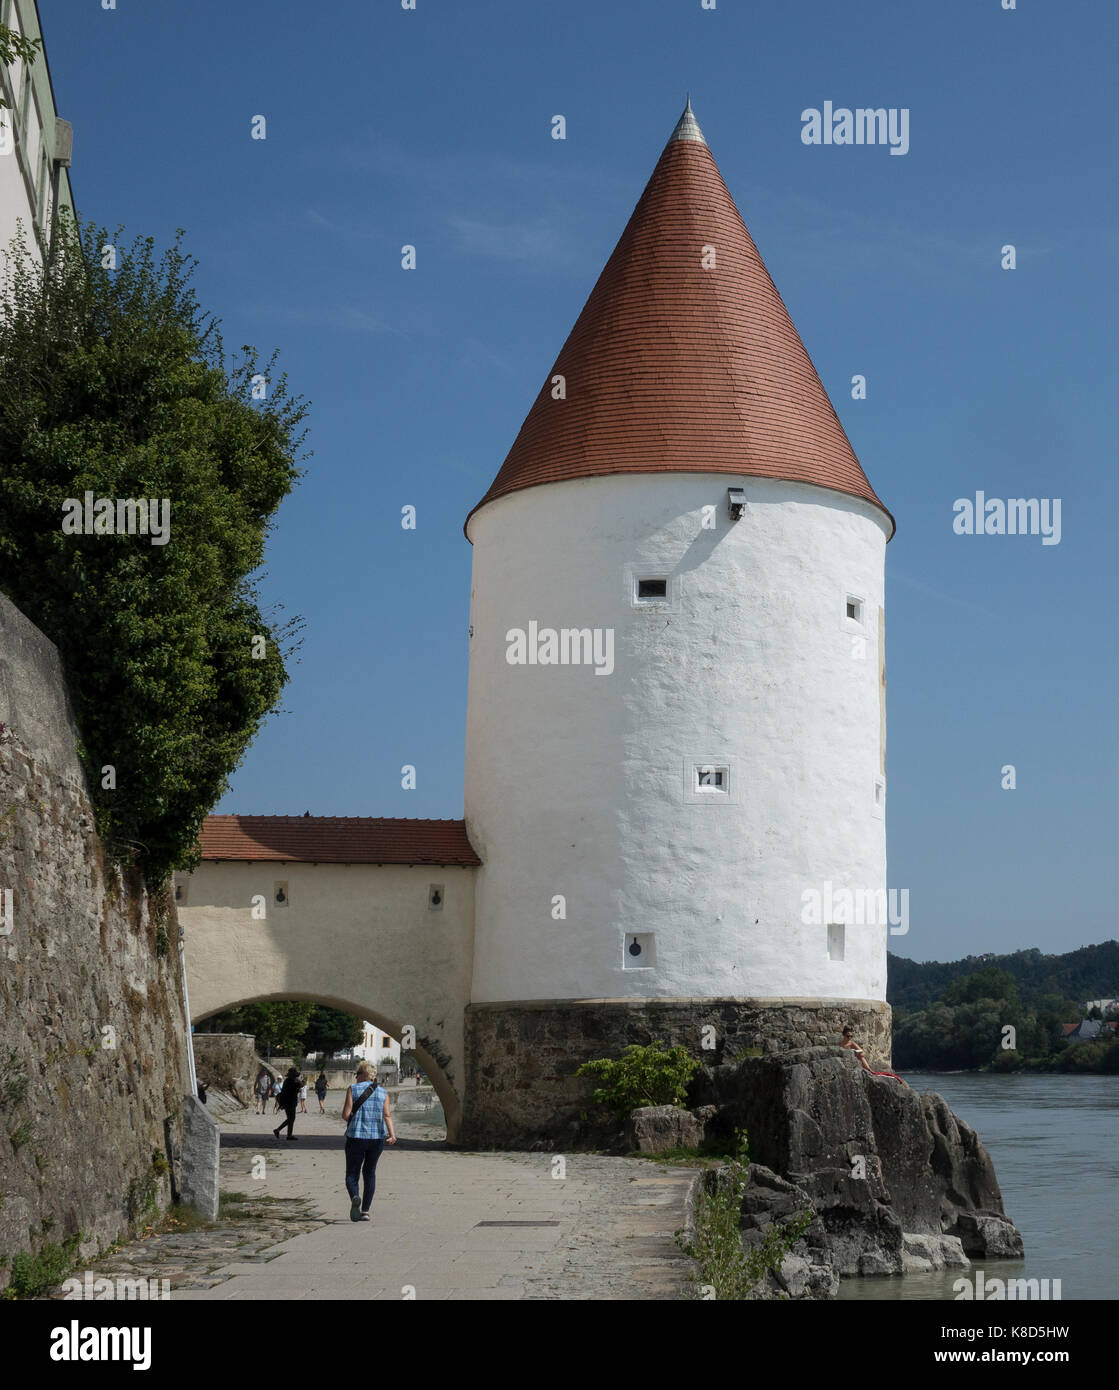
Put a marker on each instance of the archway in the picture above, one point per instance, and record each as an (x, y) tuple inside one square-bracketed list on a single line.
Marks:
[(388, 1023)]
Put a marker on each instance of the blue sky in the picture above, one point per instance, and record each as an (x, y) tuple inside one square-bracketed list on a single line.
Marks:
[(433, 128)]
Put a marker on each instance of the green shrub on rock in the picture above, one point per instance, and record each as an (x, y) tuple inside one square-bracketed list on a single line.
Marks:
[(725, 1271)]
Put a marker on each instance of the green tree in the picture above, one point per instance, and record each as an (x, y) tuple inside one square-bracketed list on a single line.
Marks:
[(277, 1025), (117, 385), (16, 47), (331, 1030), (991, 983)]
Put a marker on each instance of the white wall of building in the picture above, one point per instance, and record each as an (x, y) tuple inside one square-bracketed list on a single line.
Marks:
[(376, 1046), (577, 784), (27, 141)]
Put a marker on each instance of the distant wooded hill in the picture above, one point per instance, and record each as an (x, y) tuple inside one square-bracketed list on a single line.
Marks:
[(1090, 972)]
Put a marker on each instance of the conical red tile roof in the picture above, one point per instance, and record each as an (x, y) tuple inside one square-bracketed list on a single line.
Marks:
[(673, 368)]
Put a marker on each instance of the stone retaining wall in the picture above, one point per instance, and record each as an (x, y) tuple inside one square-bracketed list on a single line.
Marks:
[(227, 1061), (93, 1062), (521, 1058)]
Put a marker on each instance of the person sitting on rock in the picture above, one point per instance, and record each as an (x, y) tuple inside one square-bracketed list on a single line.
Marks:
[(852, 1046)]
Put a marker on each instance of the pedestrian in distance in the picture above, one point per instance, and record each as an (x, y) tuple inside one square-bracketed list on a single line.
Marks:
[(276, 1088), (303, 1095), (288, 1100), (369, 1126), (322, 1085), (262, 1088)]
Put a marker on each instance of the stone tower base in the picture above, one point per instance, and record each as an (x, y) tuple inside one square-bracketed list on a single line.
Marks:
[(521, 1057)]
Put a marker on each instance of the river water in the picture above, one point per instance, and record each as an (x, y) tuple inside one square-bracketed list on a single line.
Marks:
[(1054, 1141)]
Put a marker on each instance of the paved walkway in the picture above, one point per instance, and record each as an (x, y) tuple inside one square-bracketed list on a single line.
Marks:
[(452, 1225)]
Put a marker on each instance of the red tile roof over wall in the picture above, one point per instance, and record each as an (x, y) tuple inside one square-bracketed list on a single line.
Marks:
[(337, 840), (675, 368)]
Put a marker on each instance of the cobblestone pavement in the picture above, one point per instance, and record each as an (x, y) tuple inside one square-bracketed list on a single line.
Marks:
[(446, 1224)]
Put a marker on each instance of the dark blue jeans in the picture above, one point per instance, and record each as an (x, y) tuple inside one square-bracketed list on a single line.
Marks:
[(361, 1158)]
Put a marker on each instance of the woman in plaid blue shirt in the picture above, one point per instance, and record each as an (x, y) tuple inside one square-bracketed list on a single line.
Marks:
[(367, 1109)]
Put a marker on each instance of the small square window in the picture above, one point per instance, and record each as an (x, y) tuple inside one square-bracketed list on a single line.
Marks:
[(639, 951), (707, 781), (853, 611), (709, 778), (649, 590)]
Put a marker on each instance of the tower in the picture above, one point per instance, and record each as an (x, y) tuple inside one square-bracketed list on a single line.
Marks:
[(675, 751)]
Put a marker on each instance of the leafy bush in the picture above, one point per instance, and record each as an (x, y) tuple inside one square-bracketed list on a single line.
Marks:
[(1090, 1057), (116, 384), (653, 1075), (32, 1275), (1010, 1060)]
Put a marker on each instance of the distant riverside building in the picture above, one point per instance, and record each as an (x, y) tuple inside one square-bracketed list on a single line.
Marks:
[(376, 1046), (1090, 1030), (34, 142), (676, 722)]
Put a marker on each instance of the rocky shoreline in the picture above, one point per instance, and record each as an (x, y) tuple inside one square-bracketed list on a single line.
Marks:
[(892, 1181)]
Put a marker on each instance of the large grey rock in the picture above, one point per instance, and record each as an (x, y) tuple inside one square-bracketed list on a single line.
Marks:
[(877, 1161), (808, 1270), (201, 1158), (921, 1253), (995, 1237), (654, 1128)]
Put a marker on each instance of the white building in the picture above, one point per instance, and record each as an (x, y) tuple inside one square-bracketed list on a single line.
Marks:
[(676, 726), (34, 142), (376, 1046)]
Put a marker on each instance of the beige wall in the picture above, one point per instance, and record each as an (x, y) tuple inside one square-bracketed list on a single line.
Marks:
[(360, 937)]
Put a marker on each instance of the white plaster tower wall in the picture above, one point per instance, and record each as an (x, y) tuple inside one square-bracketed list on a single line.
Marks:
[(583, 785)]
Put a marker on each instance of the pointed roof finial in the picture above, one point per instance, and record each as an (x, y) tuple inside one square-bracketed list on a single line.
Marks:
[(687, 127)]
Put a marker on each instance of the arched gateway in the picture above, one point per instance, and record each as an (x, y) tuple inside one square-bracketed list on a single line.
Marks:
[(372, 916)]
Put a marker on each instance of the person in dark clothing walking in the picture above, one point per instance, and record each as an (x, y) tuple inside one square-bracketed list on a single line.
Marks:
[(287, 1100)]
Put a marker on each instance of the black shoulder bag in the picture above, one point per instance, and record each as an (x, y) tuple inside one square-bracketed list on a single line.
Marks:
[(362, 1099)]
